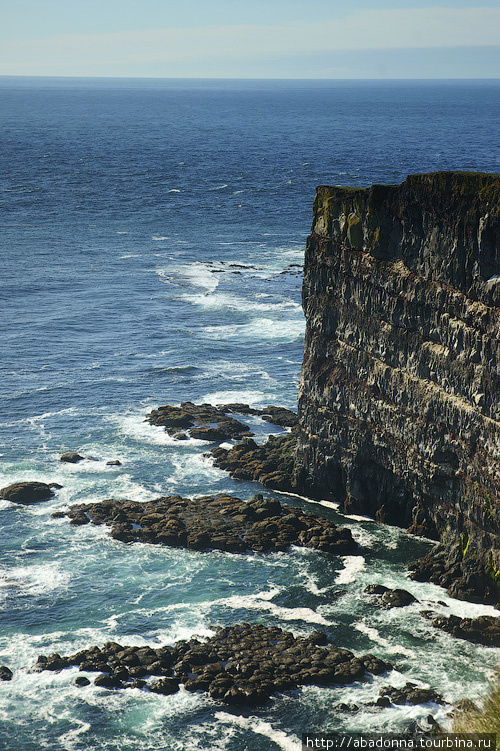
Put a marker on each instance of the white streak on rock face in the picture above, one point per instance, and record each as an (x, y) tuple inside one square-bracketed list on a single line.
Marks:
[(492, 281)]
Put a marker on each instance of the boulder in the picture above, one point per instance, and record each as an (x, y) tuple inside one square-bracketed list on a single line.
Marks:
[(5, 673), (71, 457), (26, 492), (391, 598)]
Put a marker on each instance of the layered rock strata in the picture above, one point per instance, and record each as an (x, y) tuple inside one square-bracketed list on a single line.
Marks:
[(219, 522), (240, 665), (399, 409)]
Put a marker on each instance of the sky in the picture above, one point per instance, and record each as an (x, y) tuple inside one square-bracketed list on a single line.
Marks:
[(251, 38)]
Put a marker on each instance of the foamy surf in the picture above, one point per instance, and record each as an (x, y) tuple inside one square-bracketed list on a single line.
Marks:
[(255, 725)]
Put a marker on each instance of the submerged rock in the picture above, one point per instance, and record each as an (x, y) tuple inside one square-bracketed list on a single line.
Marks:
[(27, 493), (220, 522), (240, 665)]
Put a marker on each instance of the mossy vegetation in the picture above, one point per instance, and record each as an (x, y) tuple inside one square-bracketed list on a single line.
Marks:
[(483, 719)]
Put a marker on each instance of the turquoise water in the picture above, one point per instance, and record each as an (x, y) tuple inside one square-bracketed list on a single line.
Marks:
[(152, 241)]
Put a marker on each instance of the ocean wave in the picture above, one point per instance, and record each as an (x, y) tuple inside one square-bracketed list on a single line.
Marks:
[(261, 727), (353, 565), (234, 302), (258, 328)]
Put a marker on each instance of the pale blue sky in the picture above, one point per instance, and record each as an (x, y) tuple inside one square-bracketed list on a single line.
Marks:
[(251, 38)]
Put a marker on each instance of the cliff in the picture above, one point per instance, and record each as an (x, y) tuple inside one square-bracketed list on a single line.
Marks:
[(399, 401)]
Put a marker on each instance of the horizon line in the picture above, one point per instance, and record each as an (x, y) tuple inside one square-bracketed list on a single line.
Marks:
[(247, 78)]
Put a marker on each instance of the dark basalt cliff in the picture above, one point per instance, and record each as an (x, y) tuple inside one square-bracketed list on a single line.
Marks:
[(399, 402)]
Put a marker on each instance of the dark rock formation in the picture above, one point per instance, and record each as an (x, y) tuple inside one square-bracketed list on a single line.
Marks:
[(391, 598), (219, 522), (71, 457), (27, 492), (399, 415), (240, 665), (277, 415), (214, 423), (410, 694), (199, 420), (272, 464), (482, 630), (5, 673)]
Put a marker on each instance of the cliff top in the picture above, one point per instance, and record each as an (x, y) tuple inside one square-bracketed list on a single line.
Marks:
[(444, 226)]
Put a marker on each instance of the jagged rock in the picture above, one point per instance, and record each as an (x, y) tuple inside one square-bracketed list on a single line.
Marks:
[(271, 464), (5, 673), (114, 463), (211, 423), (391, 598), (410, 694), (81, 680), (241, 665), (27, 493), (200, 421), (219, 522), (482, 630), (71, 457)]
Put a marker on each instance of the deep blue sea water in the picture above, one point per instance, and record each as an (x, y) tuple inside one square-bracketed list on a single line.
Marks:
[(152, 236)]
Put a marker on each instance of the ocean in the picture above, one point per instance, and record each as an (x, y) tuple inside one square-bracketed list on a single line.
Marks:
[(153, 234)]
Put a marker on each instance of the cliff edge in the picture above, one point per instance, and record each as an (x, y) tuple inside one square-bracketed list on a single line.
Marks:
[(399, 401)]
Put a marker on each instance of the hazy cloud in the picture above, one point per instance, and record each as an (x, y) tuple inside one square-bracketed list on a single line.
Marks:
[(87, 54)]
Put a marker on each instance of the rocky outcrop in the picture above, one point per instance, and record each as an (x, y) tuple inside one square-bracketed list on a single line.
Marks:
[(391, 598), (5, 673), (28, 492), (211, 423), (219, 522), (272, 463), (399, 415), (240, 665), (71, 457), (485, 629)]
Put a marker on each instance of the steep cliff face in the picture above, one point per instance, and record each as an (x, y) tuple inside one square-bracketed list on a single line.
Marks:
[(399, 402)]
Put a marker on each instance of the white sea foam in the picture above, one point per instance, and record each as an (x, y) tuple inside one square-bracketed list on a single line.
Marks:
[(135, 427), (353, 565), (259, 329), (224, 300), (174, 190), (33, 580), (260, 727), (262, 601), (159, 237), (252, 397), (376, 637), (200, 275)]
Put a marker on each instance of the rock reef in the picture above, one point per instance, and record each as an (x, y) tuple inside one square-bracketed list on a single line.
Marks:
[(209, 423), (220, 522), (240, 665)]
